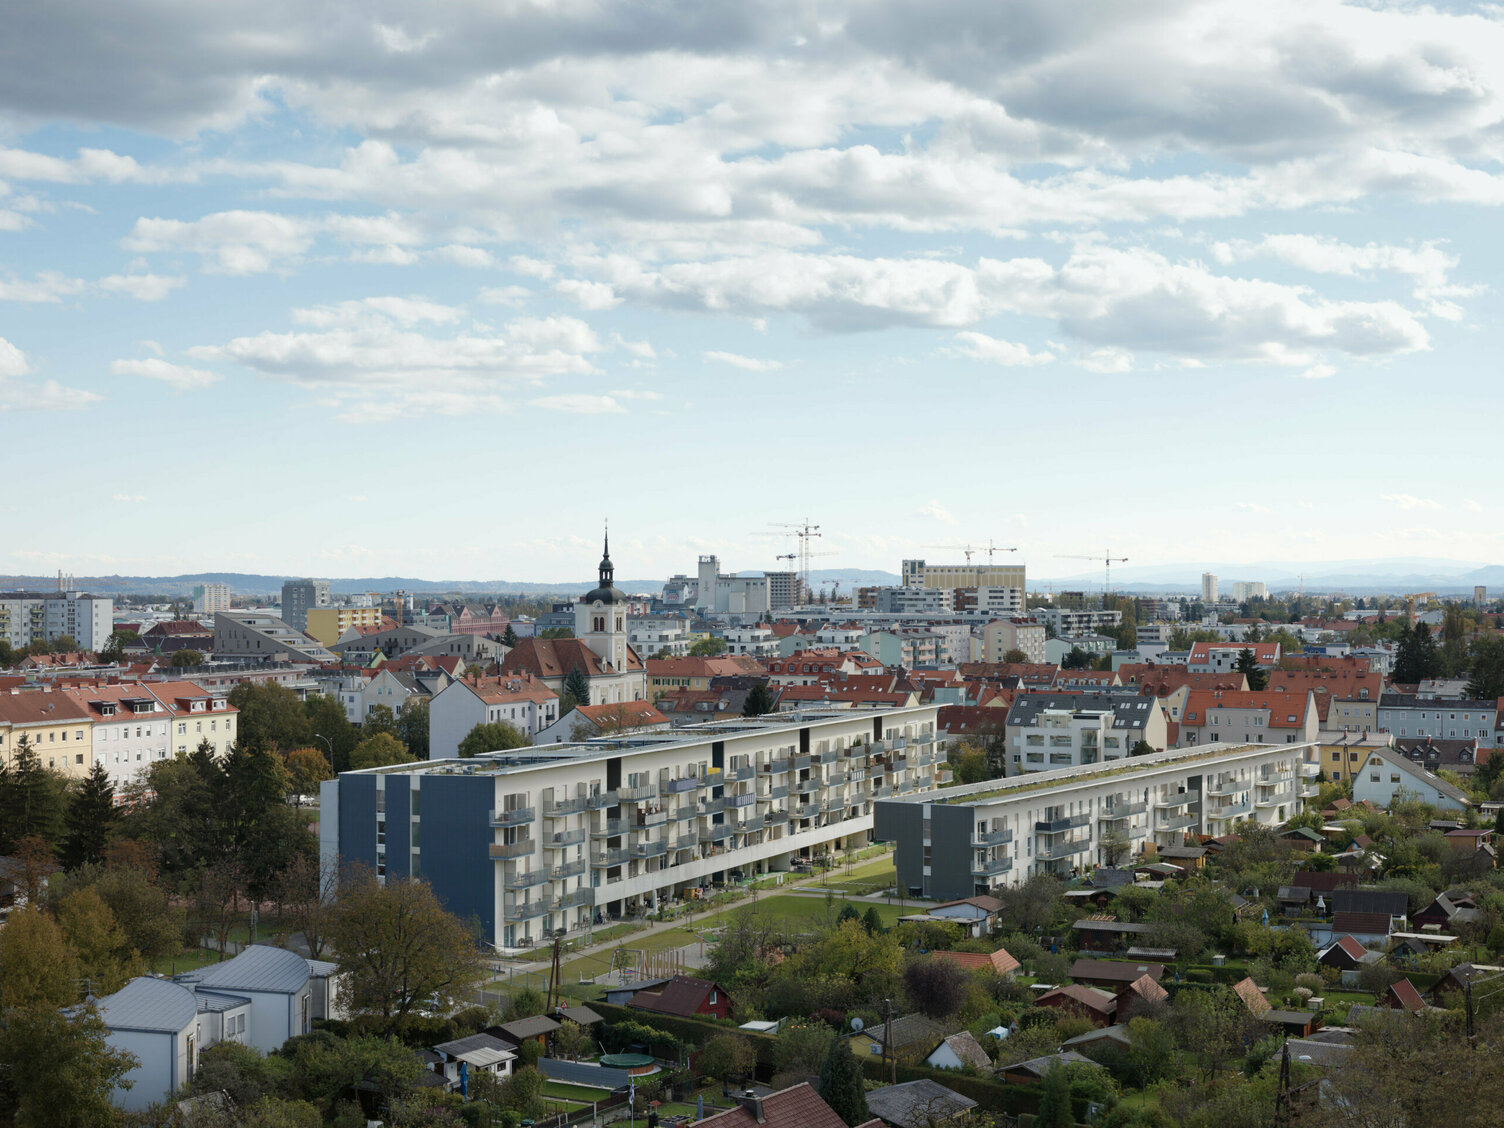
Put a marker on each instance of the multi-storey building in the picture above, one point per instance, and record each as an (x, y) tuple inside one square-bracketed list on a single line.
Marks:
[(1242, 591), (537, 840), (209, 598), (754, 642), (966, 840), (668, 636), (27, 617), (916, 573), (300, 597), (263, 636), (58, 728), (1220, 657), (1403, 714), (327, 625), (137, 724), (1251, 716), (520, 700), (1208, 587), (1078, 621), (1003, 635), (1055, 730)]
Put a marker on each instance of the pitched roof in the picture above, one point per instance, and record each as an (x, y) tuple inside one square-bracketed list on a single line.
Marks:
[(581, 1014), (152, 1004), (507, 688), (969, 1050), (1393, 902), (908, 1030), (999, 961), (557, 657), (1092, 998), (1404, 995), (1247, 990), (922, 1103), (1285, 710), (1039, 1066), (1117, 971), (257, 968), (632, 714), (521, 1029), (682, 995), (1364, 924), (796, 1107), (1351, 946), (1147, 989), (40, 707)]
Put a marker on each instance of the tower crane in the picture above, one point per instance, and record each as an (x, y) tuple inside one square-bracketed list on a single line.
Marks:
[(807, 533), (968, 550), (1107, 562), (1410, 603)]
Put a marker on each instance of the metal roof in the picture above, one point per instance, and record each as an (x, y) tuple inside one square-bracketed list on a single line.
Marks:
[(259, 968), (150, 1004), (217, 1001)]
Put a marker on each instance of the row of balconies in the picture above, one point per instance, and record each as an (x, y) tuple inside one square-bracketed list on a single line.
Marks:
[(983, 839), (1065, 822), (529, 910)]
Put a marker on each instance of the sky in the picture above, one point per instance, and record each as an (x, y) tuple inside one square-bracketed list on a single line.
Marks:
[(434, 290)]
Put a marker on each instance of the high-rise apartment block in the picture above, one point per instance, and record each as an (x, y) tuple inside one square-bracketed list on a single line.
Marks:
[(1208, 587), (209, 598), (301, 596), (27, 617)]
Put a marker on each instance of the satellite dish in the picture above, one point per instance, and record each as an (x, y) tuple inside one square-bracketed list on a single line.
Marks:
[(857, 1024)]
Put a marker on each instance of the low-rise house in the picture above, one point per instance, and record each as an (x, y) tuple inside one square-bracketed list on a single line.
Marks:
[(684, 996), (1366, 928), (1034, 1070), (1104, 933), (1461, 756), (1253, 998), (1254, 717), (1113, 974), (959, 1051), (539, 1028), (1347, 953), (1387, 773), (587, 722), (1403, 996), (1343, 753), (980, 913), (919, 1104), (276, 981), (519, 700), (1091, 1003), (796, 1107), (998, 962), (479, 1053), (157, 1020), (1449, 910), (1222, 657), (1451, 989), (914, 1036), (1140, 995)]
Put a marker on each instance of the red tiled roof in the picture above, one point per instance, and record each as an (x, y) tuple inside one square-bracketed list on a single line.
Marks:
[(999, 961), (1147, 989), (1263, 652), (727, 666), (40, 707), (1404, 996), (507, 688), (178, 627), (557, 657), (682, 995), (798, 1107), (1247, 990), (629, 713), (1352, 946), (1280, 706)]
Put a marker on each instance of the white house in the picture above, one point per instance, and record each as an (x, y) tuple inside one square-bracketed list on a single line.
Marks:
[(157, 1020), (277, 983), (1387, 773), (519, 700), (590, 721)]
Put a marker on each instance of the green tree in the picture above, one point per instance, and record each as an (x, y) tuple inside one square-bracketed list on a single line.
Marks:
[(379, 719), (707, 647), (1486, 663), (872, 921), (183, 659), (1055, 1100), (271, 716), (380, 751), (759, 701), (1015, 656), (493, 736), (1248, 665), (1416, 657), (509, 637), (31, 799), (840, 1084), (105, 955), (800, 1049), (113, 650), (38, 968), (400, 950), (1141, 748), (1455, 626), (728, 1057), (306, 769), (577, 686), (140, 907), (412, 726), (90, 815), (331, 730), (572, 1041), (62, 1070)]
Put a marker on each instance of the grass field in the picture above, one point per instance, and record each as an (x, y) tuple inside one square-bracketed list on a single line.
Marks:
[(561, 1091), (800, 913), (185, 961)]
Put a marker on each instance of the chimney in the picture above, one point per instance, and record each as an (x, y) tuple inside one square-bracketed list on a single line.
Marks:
[(750, 1101)]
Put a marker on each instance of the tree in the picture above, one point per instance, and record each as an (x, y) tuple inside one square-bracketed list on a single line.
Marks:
[(1141, 747), (412, 726), (305, 891), (112, 651), (139, 906), (872, 921), (800, 1049), (379, 751), (31, 799), (271, 716), (573, 1041), (1454, 630), (840, 1084), (306, 769), (380, 719), (1077, 659), (727, 1057), (400, 950), (1416, 658), (185, 658), (707, 647), (935, 987), (90, 815), (759, 701), (62, 1069), (1015, 656), (1055, 1100), (37, 966), (509, 638), (1114, 846), (577, 686), (104, 952), (1248, 665), (327, 722), (493, 736), (1486, 662)]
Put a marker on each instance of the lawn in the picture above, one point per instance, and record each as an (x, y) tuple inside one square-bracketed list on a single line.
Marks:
[(559, 1090), (799, 913), (185, 961)]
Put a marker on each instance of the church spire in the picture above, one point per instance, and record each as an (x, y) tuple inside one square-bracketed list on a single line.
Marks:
[(607, 569)]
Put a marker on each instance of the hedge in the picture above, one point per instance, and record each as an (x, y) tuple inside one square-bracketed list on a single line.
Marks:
[(691, 1031)]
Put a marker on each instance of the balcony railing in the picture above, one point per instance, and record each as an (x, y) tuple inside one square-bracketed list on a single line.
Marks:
[(712, 806), (881, 792), (685, 841), (775, 793), (566, 838), (991, 867), (1178, 822), (808, 786), (649, 818), (568, 869), (609, 829), (734, 802), (637, 794), (776, 767), (601, 801), (806, 810), (562, 807), (1169, 802), (1064, 849), (524, 910), (1120, 811), (1309, 790), (855, 751), (1231, 811), (829, 756), (685, 811), (523, 879), (982, 840), (603, 859), (1264, 802), (1226, 787), (653, 849), (1310, 770), (517, 816), (521, 849), (736, 775), (679, 786), (1274, 779), (836, 779), (718, 833), (801, 762), (1066, 822), (944, 776), (747, 826)]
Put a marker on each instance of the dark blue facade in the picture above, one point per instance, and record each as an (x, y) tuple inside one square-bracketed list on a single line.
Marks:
[(399, 826), (357, 820), (455, 821)]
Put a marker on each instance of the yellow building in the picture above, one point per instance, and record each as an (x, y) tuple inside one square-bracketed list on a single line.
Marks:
[(1343, 753), (59, 729), (198, 714), (918, 573), (327, 624)]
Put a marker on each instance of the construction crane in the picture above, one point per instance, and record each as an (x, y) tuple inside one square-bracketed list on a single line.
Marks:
[(968, 550), (1410, 603), (1107, 562), (806, 532)]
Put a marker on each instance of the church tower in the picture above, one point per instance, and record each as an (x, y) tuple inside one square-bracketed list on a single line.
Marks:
[(600, 617)]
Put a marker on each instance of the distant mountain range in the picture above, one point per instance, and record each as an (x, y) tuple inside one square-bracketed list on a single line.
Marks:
[(1351, 577)]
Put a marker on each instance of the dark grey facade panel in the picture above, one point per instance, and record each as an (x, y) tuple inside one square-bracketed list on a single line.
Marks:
[(456, 823), (357, 820), (398, 826)]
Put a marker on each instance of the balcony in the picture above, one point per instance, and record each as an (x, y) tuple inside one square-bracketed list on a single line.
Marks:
[(1265, 802), (900, 763), (1170, 802), (1120, 811), (1177, 822), (808, 786), (686, 841), (718, 833), (712, 806), (568, 869), (562, 807), (713, 777), (983, 839), (1274, 779), (609, 829), (747, 826), (991, 867), (801, 763), (566, 838), (523, 879), (679, 786), (836, 779), (572, 899), (829, 756), (737, 775), (685, 812), (776, 767), (1056, 826), (1310, 770), (1065, 849), (524, 910), (517, 816), (601, 802), (1226, 787), (653, 849), (655, 817), (806, 810), (736, 802), (1308, 790), (774, 793), (881, 792), (856, 751), (1232, 811), (604, 859), (520, 849), (637, 794)]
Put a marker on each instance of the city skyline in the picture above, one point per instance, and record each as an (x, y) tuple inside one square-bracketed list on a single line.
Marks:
[(429, 291)]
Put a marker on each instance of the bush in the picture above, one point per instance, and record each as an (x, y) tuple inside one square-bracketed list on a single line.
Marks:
[(1311, 982)]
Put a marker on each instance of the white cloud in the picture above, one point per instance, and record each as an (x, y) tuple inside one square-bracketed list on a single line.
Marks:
[(635, 394), (749, 363), (938, 512), (506, 295), (1409, 501), (12, 360), (1471, 506), (979, 346), (254, 242), (142, 287), (460, 255), (47, 286), (356, 499), (579, 403), (1252, 507), (129, 499), (1316, 372), (178, 375), (588, 295), (643, 350), (23, 395)]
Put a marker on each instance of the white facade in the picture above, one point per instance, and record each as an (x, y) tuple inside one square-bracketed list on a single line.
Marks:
[(209, 598), (130, 734), (28, 617), (1208, 587), (1003, 635), (1387, 774), (461, 705), (755, 642), (1244, 590), (652, 637), (1000, 600)]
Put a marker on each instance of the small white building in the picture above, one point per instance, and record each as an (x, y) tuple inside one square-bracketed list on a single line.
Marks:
[(277, 983), (1387, 773), (755, 642), (158, 1021)]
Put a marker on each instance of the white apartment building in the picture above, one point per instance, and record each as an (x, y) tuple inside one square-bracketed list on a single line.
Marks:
[(1208, 587), (1000, 601), (967, 840), (1003, 635), (541, 840), (652, 637), (1243, 590), (1069, 621), (209, 598), (755, 642), (1045, 730), (27, 617), (519, 700)]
